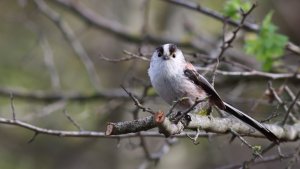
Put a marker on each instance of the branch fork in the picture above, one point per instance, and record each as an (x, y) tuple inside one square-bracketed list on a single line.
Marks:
[(167, 127)]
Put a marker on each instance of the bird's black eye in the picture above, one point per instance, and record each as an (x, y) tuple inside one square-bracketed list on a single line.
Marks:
[(188, 118), (173, 55), (160, 51)]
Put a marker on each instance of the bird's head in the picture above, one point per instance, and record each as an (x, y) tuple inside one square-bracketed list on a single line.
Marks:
[(168, 54)]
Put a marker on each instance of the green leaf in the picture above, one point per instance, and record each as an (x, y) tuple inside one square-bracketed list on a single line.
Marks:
[(257, 149), (268, 44), (232, 8), (203, 112)]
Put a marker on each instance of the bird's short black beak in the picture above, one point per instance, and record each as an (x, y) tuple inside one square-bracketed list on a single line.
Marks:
[(165, 57)]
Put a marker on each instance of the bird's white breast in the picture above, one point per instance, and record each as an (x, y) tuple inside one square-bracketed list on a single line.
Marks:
[(170, 83), (165, 81)]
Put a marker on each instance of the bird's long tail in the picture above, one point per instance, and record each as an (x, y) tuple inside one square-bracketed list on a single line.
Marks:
[(250, 121)]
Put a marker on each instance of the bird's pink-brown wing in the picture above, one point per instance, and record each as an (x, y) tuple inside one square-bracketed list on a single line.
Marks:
[(200, 81)]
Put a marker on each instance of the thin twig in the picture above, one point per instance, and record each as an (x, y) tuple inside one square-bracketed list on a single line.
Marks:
[(246, 143), (145, 26), (46, 110), (73, 96), (183, 114), (141, 56), (49, 62), (12, 106), (228, 43), (236, 64), (273, 115), (72, 120), (219, 17), (145, 148), (279, 100), (290, 108), (131, 56), (291, 94), (266, 159), (137, 103), (255, 157), (175, 104), (220, 54), (70, 37), (195, 138), (254, 73), (135, 117), (33, 137), (295, 158)]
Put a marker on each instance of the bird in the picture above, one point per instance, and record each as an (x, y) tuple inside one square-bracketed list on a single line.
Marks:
[(173, 78)]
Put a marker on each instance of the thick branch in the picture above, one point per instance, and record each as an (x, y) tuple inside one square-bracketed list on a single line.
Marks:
[(109, 26), (224, 125), (211, 13), (130, 126), (120, 31), (214, 125), (64, 133)]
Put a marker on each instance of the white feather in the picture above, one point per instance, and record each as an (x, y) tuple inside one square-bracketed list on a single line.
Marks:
[(168, 79)]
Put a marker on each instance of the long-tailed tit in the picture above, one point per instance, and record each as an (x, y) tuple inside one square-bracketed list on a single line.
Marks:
[(174, 78)]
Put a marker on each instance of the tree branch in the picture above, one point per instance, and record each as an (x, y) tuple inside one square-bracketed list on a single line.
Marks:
[(211, 13), (50, 96), (49, 62), (290, 108), (131, 128), (227, 42), (240, 74), (64, 133), (118, 29), (255, 73), (214, 125), (71, 38), (263, 160)]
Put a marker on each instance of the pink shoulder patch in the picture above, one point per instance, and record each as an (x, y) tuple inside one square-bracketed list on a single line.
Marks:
[(190, 66)]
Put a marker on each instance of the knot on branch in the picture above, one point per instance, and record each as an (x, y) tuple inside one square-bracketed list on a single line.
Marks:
[(109, 129), (165, 126), (159, 117)]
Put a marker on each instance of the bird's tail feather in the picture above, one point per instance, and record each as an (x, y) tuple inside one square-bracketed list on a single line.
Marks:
[(250, 121)]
